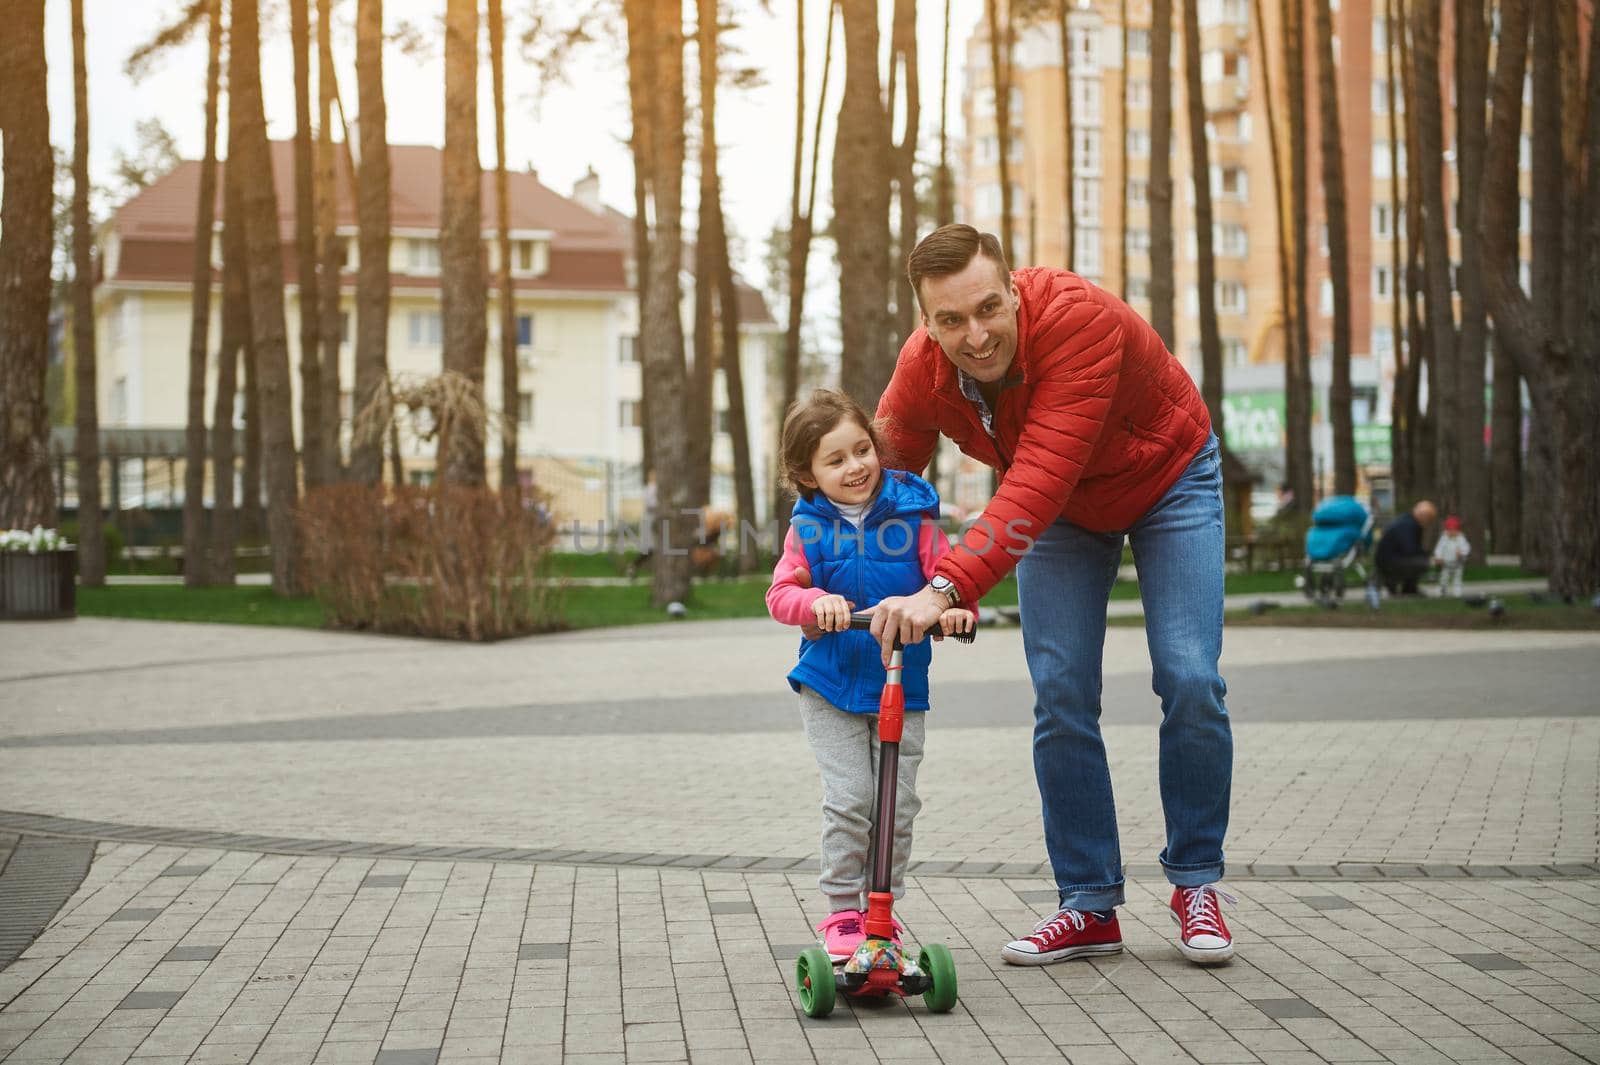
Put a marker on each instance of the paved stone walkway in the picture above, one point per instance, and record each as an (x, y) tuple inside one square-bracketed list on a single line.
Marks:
[(598, 847)]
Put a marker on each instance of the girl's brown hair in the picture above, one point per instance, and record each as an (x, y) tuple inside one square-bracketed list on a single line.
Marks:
[(808, 421)]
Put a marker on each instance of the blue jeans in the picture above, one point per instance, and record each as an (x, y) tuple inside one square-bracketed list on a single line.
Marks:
[(1064, 583)]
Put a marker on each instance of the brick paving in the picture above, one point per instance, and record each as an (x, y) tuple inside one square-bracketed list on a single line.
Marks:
[(314, 847)]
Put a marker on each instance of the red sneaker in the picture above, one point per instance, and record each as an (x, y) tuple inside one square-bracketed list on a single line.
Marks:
[(1067, 934), (1203, 935)]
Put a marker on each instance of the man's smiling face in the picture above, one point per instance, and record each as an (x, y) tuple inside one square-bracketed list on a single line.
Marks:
[(972, 315)]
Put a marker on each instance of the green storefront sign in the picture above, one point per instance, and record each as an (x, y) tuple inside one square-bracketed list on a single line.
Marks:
[(1373, 445), (1253, 421)]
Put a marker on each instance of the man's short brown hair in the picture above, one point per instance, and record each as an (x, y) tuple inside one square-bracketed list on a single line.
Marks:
[(948, 250)]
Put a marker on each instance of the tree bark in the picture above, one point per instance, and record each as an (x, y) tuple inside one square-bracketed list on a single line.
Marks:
[(331, 276), (510, 406), (1280, 204), (1505, 455), (1297, 347), (716, 237), (1444, 378), (1420, 347), (1162, 284), (655, 82), (862, 169), (27, 491), (1069, 146), (944, 182), (1000, 80), (1200, 172), (904, 46), (248, 147), (230, 352), (1399, 432), (305, 246), (372, 211), (1472, 73), (1333, 199), (194, 480), (91, 538), (461, 280), (1122, 149)]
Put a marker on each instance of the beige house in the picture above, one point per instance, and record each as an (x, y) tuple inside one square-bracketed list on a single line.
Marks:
[(577, 319)]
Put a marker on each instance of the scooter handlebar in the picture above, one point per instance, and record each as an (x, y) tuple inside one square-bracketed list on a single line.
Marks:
[(864, 621)]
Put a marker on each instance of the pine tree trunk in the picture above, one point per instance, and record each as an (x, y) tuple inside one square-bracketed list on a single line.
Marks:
[(1122, 148), (944, 182), (461, 273), (1000, 80), (1162, 283), (1471, 80), (716, 237), (1297, 348), (305, 246), (1069, 146), (27, 491), (91, 538), (331, 275), (1505, 456), (1280, 204), (904, 45), (655, 82), (194, 480), (225, 517), (862, 170), (372, 211), (1444, 378), (1200, 172), (1419, 425), (510, 375), (1333, 199), (1399, 431), (248, 146)]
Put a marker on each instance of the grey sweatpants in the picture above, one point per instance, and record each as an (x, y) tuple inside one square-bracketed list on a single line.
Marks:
[(846, 746)]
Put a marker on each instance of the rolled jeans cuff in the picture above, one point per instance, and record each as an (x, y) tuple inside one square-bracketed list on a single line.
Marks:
[(1192, 875), (1091, 898)]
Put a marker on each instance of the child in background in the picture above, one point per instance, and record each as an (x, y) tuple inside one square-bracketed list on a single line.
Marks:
[(1450, 555), (859, 533)]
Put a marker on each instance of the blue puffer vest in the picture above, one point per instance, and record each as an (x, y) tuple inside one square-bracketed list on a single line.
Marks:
[(864, 566)]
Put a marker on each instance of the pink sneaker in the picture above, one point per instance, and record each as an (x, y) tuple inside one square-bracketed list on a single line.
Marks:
[(842, 933)]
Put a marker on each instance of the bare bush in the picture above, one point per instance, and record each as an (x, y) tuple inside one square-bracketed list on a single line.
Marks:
[(446, 561)]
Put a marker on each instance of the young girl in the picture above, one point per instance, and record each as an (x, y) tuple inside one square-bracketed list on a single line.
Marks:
[(859, 533)]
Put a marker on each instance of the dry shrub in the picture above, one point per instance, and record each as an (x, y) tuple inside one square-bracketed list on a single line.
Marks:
[(446, 561)]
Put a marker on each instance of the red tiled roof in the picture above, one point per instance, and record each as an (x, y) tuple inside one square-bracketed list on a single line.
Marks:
[(586, 252)]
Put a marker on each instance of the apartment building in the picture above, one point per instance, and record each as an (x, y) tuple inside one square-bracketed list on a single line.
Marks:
[(1109, 57), (578, 386)]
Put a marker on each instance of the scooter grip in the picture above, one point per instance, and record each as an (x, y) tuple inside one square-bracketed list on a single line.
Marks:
[(864, 621)]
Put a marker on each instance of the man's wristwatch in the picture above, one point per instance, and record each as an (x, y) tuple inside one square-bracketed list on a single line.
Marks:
[(947, 588)]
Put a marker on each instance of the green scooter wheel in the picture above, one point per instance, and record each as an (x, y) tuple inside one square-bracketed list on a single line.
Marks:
[(813, 978), (935, 960)]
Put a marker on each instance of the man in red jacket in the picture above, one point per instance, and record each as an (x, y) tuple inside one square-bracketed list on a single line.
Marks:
[(1099, 435)]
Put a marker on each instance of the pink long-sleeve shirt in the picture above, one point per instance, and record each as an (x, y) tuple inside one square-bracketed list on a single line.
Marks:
[(789, 601)]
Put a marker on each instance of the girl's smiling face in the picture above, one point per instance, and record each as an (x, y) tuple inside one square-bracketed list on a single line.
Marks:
[(845, 465)]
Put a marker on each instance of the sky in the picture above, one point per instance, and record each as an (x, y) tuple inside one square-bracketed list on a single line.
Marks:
[(559, 130)]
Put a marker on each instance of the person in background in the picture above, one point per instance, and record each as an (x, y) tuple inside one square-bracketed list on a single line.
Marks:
[(1450, 554), (1401, 557)]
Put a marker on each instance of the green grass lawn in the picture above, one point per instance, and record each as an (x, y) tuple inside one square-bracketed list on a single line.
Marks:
[(1522, 612), (588, 607)]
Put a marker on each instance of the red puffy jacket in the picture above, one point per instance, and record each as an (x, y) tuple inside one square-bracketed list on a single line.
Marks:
[(1096, 420)]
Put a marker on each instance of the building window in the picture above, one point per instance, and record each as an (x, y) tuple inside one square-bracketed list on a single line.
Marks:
[(1088, 252), (1232, 240), (423, 255), (629, 414), (1139, 143), (525, 409), (1234, 353), (1326, 301), (347, 400), (1382, 340), (426, 329), (627, 349), (1230, 297), (344, 327), (1138, 191), (1138, 241), (1087, 150), (524, 330), (1382, 286), (720, 422), (1086, 97), (1138, 92), (523, 260), (1233, 183), (1138, 288), (1381, 227), (1139, 43)]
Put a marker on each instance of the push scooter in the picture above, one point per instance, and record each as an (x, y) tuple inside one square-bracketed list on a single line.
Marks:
[(880, 966)]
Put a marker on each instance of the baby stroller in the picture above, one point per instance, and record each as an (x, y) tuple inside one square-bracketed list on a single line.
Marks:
[(1340, 534)]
